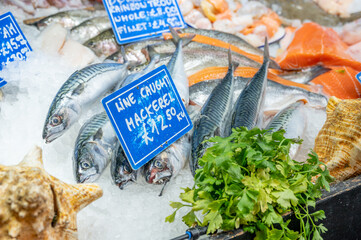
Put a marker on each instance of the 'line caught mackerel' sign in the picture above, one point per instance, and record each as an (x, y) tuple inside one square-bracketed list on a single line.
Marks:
[(13, 44), (148, 115), (134, 20)]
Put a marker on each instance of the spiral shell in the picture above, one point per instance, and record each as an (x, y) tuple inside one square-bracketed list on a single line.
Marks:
[(338, 144), (35, 205)]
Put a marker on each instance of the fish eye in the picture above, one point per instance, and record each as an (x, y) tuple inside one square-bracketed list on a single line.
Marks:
[(85, 164), (158, 164), (127, 170), (55, 121)]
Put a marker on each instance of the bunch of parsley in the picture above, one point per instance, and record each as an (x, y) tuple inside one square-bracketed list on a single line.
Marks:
[(248, 179)]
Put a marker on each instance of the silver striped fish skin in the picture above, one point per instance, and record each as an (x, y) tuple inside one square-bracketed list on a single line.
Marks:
[(95, 147), (67, 19), (293, 120), (249, 104), (213, 115), (277, 95), (103, 44), (90, 28), (282, 119), (80, 90)]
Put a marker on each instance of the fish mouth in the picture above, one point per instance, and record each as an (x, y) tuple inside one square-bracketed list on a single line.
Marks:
[(51, 137), (87, 179), (156, 177), (122, 184)]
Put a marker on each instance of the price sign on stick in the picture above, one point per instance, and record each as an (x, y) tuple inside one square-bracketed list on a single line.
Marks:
[(148, 115), (13, 44), (134, 20)]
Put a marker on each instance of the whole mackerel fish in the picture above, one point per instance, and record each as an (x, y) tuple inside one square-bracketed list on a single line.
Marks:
[(170, 162), (248, 107), (67, 19), (213, 115), (94, 148), (90, 28), (81, 89)]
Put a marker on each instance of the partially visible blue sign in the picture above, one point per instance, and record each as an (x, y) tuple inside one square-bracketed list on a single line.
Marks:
[(134, 20), (358, 76), (148, 115), (13, 44)]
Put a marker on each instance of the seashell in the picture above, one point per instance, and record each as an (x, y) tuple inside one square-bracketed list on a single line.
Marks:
[(338, 144), (35, 205)]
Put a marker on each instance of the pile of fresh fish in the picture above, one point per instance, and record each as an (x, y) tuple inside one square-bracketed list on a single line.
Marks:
[(216, 105)]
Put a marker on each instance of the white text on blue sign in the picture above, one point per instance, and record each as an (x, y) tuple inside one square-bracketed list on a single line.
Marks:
[(148, 115), (14, 45), (135, 20)]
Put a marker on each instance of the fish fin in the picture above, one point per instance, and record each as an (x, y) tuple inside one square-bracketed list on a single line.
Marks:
[(176, 38), (217, 132), (317, 71), (78, 90), (273, 64), (266, 51), (231, 64), (124, 55), (98, 134)]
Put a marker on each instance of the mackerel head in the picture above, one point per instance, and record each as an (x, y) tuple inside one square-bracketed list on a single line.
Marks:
[(81, 89), (213, 115), (94, 148), (249, 104)]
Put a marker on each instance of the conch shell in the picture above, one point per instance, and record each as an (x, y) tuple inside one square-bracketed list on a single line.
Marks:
[(35, 205), (338, 144)]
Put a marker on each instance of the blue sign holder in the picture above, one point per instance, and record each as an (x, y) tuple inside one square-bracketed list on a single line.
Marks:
[(135, 20), (358, 77), (13, 43), (148, 115)]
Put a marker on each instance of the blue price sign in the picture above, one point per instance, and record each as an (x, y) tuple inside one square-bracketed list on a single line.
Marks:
[(13, 42), (358, 77), (148, 115), (134, 20)]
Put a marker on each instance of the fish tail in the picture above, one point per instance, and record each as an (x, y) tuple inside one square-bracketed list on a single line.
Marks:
[(231, 64), (317, 71), (176, 38), (122, 50), (266, 51)]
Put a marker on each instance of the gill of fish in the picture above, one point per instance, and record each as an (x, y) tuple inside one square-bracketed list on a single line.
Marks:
[(94, 148), (170, 162), (80, 90), (90, 28), (121, 171), (103, 44), (213, 115), (293, 120), (248, 107)]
